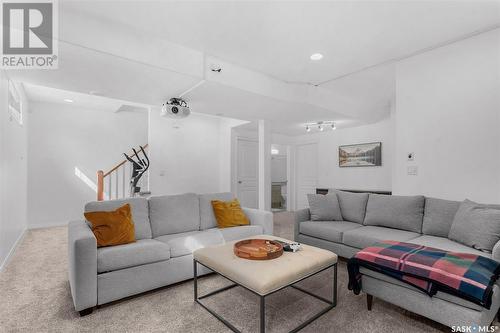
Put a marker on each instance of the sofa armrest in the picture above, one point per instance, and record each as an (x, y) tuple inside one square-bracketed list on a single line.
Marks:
[(82, 265), (260, 217), (495, 253), (300, 216)]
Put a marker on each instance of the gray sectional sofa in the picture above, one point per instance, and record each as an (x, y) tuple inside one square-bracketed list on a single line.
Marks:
[(167, 229), (369, 218)]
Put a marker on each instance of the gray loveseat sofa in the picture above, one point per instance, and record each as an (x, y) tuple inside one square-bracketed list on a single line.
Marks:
[(167, 229), (369, 218)]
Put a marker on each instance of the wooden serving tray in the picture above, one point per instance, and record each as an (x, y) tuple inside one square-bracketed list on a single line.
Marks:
[(258, 249)]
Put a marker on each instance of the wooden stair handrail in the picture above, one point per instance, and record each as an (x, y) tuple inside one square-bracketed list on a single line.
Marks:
[(101, 175), (120, 164)]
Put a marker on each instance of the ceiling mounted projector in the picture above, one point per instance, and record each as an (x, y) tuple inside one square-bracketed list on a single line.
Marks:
[(175, 108)]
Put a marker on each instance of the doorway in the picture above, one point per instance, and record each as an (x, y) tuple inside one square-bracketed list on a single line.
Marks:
[(247, 172), (306, 169), (279, 178)]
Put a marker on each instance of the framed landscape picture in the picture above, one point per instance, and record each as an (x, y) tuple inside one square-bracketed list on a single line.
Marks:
[(359, 155)]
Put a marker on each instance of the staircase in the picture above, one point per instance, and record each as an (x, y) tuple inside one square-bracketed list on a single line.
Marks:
[(115, 183)]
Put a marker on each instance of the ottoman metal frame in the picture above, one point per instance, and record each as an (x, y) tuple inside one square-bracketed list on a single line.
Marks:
[(331, 303)]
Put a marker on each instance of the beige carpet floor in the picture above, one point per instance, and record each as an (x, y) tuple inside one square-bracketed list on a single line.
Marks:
[(35, 297)]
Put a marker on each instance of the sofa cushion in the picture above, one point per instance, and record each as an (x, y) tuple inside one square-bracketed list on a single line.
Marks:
[(398, 212), (476, 225), (207, 217), (324, 207), (446, 244), (369, 235), (140, 213), (236, 233), (167, 238), (328, 230), (185, 243), (112, 228), (352, 205), (171, 214), (438, 216), (142, 252), (439, 294)]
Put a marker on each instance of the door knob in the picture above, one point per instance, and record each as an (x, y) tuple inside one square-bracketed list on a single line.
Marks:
[(239, 182)]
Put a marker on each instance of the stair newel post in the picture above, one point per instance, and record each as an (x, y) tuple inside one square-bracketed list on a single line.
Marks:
[(100, 185), (142, 164)]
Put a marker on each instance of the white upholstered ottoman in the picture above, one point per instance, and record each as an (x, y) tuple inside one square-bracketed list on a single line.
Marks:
[(265, 277)]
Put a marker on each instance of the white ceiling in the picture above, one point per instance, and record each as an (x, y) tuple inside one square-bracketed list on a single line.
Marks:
[(277, 37), (44, 94), (373, 89), (109, 48), (83, 70), (285, 118)]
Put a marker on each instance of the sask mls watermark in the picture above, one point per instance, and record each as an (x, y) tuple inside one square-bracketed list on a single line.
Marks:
[(29, 34)]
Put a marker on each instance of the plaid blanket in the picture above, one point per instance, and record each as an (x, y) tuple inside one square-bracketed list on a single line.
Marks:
[(465, 275)]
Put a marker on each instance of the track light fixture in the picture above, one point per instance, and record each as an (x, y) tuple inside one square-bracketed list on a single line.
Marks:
[(320, 125)]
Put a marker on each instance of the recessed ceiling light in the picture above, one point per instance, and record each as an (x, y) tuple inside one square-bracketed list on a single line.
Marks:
[(67, 100), (316, 56)]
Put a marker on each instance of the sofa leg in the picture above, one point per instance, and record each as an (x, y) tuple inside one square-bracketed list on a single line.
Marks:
[(86, 312), (369, 301)]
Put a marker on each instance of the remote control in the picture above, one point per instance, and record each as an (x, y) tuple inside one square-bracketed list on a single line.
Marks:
[(289, 247)]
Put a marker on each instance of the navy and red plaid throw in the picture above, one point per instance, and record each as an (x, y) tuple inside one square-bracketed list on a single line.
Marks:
[(465, 275)]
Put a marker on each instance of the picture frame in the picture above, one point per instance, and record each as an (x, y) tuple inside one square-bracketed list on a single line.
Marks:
[(360, 155)]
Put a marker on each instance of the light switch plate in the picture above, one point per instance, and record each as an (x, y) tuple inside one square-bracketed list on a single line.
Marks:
[(412, 170)]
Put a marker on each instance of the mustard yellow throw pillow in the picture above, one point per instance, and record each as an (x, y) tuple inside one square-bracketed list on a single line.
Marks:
[(112, 228), (229, 214)]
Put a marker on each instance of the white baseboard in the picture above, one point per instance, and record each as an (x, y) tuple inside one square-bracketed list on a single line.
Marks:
[(20, 238), (47, 225), (12, 250)]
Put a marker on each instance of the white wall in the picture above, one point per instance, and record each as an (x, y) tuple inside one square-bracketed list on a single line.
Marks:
[(13, 168), (63, 137), (329, 174), (4, 248), (355, 178), (448, 114), (195, 157)]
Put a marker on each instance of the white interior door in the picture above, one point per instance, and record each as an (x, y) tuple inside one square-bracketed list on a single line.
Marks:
[(307, 173), (247, 173)]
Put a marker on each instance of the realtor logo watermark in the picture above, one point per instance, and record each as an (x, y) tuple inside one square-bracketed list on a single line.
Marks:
[(29, 34)]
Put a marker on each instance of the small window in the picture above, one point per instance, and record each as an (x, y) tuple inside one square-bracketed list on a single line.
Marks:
[(15, 107)]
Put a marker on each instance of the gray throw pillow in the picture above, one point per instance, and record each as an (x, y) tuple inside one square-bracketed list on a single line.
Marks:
[(476, 225), (352, 205), (324, 207), (438, 216), (395, 211)]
